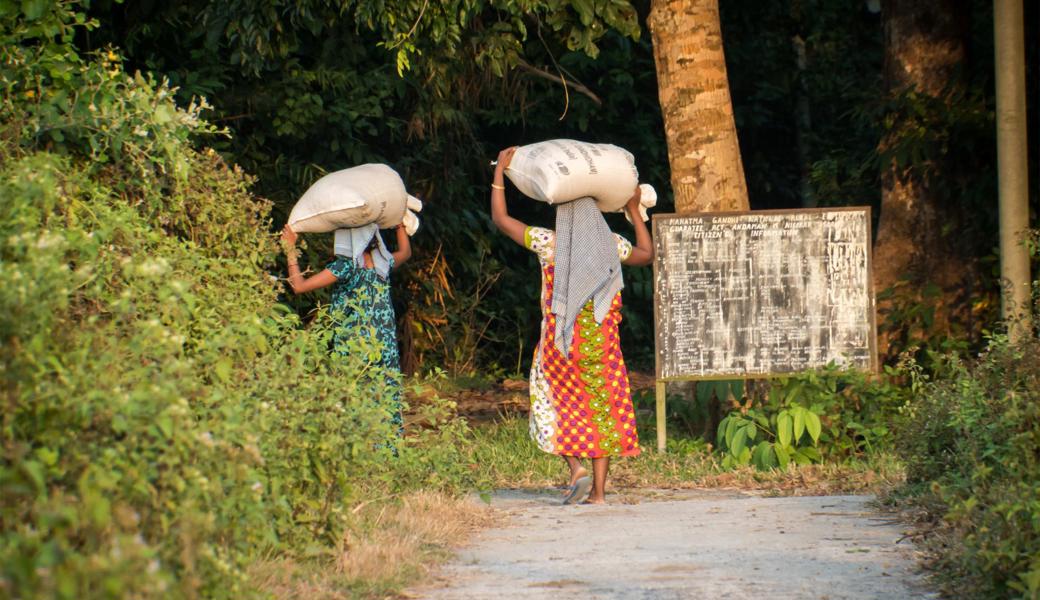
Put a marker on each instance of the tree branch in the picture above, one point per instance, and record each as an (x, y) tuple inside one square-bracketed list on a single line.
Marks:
[(528, 68)]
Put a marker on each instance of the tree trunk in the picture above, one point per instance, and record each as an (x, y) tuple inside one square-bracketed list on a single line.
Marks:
[(924, 53), (707, 174), (1013, 168), (693, 89)]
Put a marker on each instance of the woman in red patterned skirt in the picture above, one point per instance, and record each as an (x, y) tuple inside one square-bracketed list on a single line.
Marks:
[(581, 402)]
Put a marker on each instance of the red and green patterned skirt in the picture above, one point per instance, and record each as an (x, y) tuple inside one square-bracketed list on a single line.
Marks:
[(581, 404)]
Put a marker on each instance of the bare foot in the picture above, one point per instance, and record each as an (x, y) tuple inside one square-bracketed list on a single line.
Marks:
[(595, 501)]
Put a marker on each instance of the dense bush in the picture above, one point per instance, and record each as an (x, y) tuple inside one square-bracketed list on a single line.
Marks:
[(831, 413), (971, 442), (165, 419)]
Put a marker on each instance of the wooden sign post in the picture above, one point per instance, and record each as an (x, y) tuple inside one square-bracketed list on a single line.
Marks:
[(761, 293)]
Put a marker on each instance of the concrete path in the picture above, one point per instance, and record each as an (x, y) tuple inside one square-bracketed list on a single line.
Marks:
[(689, 545)]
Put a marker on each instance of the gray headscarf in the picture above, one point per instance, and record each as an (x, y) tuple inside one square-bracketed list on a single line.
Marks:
[(587, 266), (351, 243)]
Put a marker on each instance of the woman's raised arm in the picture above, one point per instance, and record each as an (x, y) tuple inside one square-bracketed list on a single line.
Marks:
[(513, 228), (404, 246), (299, 283), (643, 252)]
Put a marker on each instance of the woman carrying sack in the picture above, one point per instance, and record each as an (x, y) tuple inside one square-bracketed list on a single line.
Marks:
[(581, 402), (360, 275)]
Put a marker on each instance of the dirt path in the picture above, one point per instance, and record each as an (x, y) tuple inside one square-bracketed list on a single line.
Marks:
[(673, 545)]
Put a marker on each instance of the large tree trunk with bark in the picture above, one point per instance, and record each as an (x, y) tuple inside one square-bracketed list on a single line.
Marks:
[(924, 53), (707, 174), (693, 88)]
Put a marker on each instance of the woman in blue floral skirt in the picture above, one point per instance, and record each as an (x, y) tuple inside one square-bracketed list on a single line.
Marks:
[(360, 276)]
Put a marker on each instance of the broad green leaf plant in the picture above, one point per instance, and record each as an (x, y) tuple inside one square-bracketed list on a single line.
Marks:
[(753, 438), (831, 412)]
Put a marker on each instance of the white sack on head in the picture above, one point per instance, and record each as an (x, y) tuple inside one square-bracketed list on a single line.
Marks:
[(558, 171), (371, 193)]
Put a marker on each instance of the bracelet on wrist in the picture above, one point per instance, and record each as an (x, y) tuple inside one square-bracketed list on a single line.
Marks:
[(498, 187)]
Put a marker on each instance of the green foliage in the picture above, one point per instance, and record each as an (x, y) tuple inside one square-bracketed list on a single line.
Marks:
[(306, 88), (166, 421), (856, 409), (492, 33), (309, 87), (971, 442), (52, 98), (804, 418), (790, 436)]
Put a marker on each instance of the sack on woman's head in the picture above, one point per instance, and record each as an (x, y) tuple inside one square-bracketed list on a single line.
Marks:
[(558, 171), (371, 193)]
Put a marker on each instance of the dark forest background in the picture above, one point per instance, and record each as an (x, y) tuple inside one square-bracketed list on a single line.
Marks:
[(320, 94)]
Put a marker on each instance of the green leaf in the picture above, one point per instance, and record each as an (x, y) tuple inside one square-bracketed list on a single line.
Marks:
[(752, 431), (165, 425), (47, 456), (799, 423), (739, 443), (721, 389), (763, 456), (33, 9), (810, 453), (736, 387), (586, 11), (223, 369), (34, 473), (793, 393), (720, 435), (704, 390), (783, 455), (319, 470), (784, 428), (813, 426), (99, 510), (162, 114), (800, 458), (731, 428)]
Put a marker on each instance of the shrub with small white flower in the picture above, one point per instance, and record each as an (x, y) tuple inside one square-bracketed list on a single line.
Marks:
[(165, 420)]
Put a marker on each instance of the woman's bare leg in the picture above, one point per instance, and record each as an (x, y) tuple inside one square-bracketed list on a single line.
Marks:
[(598, 495)]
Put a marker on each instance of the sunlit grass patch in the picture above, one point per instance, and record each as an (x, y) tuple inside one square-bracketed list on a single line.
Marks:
[(504, 456), (391, 544)]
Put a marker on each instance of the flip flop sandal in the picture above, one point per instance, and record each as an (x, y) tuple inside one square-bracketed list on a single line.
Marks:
[(567, 488), (578, 491)]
